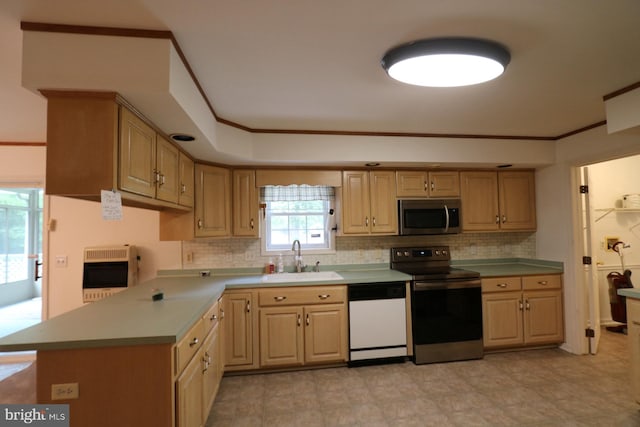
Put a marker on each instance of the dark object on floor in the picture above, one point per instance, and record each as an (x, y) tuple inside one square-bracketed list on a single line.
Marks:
[(617, 302)]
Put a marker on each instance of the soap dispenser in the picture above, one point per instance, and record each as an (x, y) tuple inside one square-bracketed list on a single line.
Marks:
[(280, 264)]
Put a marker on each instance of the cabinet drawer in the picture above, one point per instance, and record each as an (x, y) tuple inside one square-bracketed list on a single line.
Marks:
[(302, 296), (210, 318), (500, 284), (189, 345), (551, 281)]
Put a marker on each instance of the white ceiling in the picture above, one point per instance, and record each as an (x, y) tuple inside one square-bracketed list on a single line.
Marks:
[(314, 65)]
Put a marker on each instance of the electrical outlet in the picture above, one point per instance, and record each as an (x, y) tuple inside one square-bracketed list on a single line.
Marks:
[(61, 261), (65, 391), (188, 257)]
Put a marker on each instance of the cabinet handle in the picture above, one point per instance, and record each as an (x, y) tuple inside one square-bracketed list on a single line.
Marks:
[(221, 314), (426, 186), (183, 188), (299, 320), (279, 298), (213, 317), (520, 306), (433, 185), (504, 219), (543, 283), (206, 364), (307, 320), (324, 296), (527, 306), (635, 322), (497, 219), (502, 285), (248, 306), (199, 223), (161, 179), (194, 342), (251, 223), (374, 221), (366, 221)]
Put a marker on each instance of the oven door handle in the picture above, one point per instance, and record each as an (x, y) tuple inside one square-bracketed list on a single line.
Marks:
[(457, 284), (446, 215)]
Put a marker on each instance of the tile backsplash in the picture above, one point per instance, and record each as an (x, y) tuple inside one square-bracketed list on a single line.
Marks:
[(242, 253)]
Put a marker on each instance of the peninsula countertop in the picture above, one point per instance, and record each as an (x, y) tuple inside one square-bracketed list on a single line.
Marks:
[(131, 317)]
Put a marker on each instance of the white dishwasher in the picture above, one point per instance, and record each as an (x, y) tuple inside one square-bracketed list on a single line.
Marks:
[(377, 322)]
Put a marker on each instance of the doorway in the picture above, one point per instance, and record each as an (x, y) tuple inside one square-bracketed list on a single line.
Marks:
[(21, 236), (611, 237)]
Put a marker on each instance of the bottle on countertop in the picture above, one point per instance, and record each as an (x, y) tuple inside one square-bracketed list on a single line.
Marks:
[(271, 267), (280, 264)]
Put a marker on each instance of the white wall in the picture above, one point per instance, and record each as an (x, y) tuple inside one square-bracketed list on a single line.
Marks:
[(558, 236)]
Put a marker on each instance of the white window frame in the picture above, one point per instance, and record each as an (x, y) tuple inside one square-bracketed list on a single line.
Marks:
[(329, 220)]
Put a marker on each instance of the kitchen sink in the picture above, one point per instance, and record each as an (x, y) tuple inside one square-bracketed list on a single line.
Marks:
[(311, 276)]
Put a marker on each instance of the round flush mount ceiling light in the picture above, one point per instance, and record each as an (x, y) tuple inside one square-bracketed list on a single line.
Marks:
[(446, 62)]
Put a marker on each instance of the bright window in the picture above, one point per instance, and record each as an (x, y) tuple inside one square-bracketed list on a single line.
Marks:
[(20, 234), (301, 213)]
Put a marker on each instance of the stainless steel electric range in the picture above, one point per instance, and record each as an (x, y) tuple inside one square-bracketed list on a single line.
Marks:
[(446, 305)]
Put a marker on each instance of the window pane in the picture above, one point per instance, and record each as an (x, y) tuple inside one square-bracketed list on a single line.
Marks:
[(301, 220), (14, 198)]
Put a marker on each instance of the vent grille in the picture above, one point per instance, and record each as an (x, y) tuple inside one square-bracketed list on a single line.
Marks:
[(120, 253)]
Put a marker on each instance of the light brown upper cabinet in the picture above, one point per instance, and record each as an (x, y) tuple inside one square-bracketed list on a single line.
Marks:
[(245, 203), (213, 201), (95, 141), (369, 202), (427, 184), (187, 181), (493, 201)]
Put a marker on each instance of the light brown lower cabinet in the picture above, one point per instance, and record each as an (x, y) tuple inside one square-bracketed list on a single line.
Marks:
[(302, 326), (522, 311), (633, 336), (197, 384)]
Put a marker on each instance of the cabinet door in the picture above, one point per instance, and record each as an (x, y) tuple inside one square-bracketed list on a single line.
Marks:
[(168, 168), (325, 338), (187, 181), (355, 202), (444, 184), (245, 203), (479, 197), (281, 336), (137, 155), (412, 184), (238, 333), (633, 337), (213, 201), (517, 200), (384, 211), (543, 320), (502, 319), (189, 395), (211, 370)]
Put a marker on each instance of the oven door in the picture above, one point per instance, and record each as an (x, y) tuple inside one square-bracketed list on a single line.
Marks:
[(447, 320)]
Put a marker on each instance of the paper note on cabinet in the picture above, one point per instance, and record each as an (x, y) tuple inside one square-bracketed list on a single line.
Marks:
[(111, 205)]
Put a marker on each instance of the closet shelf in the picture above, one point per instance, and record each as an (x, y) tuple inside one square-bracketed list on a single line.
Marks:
[(607, 211)]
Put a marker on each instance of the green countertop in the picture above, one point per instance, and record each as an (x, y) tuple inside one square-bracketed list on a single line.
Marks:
[(630, 292), (131, 317), (510, 267)]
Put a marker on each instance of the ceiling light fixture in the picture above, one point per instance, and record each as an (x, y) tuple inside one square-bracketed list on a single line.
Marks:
[(182, 137), (446, 62)]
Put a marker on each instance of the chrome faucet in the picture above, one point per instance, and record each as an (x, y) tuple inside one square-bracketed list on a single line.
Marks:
[(298, 256)]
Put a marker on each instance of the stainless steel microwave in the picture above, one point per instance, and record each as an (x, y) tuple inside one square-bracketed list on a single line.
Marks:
[(108, 270), (428, 216)]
